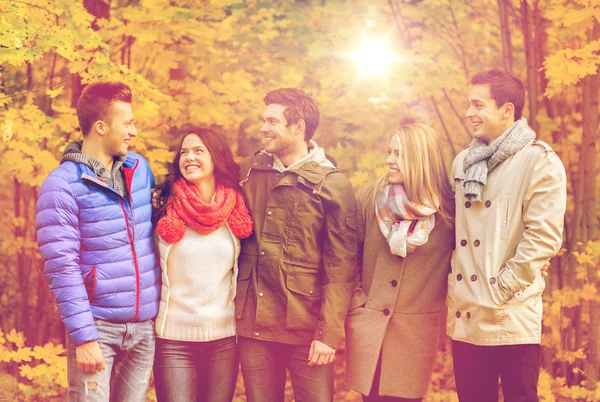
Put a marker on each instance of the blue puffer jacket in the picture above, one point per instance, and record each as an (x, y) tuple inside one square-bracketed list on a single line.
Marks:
[(99, 254)]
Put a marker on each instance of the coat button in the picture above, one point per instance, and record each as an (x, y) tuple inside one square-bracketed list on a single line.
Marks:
[(394, 283), (488, 204), (262, 253), (468, 204), (492, 280), (256, 334), (458, 314), (261, 294), (463, 243), (269, 213), (473, 278), (476, 243), (459, 277), (468, 316), (386, 311), (310, 292)]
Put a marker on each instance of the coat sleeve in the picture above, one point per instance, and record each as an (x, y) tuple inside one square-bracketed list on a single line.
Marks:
[(544, 209), (339, 262), (359, 297), (58, 236)]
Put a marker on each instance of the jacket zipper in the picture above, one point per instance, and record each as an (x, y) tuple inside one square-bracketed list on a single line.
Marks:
[(130, 232), (131, 236)]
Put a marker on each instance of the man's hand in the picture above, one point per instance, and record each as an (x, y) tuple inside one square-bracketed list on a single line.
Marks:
[(89, 357), (320, 354), (156, 201), (545, 269)]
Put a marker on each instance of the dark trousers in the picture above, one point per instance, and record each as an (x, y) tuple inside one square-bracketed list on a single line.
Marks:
[(374, 394), (477, 368), (263, 368), (196, 371)]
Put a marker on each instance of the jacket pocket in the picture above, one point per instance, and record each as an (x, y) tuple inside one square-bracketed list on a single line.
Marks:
[(246, 264), (303, 299), (90, 280)]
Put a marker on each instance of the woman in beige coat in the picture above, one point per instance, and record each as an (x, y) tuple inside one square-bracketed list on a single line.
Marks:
[(407, 238)]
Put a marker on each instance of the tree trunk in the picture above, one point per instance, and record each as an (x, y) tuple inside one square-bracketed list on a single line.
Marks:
[(99, 9), (527, 23), (507, 55), (589, 154), (437, 111)]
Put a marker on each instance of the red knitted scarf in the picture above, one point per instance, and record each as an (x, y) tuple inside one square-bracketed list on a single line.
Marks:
[(186, 207)]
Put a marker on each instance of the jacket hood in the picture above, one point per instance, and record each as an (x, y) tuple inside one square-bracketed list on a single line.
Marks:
[(315, 154), (73, 153), (313, 168)]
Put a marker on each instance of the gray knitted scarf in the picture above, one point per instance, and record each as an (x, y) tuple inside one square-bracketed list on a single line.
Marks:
[(483, 158)]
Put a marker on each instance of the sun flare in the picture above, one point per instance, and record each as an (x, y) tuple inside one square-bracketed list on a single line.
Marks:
[(374, 57)]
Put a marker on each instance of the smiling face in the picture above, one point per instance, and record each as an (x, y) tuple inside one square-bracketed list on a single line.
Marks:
[(280, 139), (487, 119), (120, 130), (395, 174), (195, 163)]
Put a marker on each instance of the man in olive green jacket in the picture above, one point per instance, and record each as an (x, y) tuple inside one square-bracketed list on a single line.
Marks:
[(296, 271)]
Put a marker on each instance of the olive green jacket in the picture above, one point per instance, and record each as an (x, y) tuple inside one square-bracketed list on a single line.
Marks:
[(296, 271)]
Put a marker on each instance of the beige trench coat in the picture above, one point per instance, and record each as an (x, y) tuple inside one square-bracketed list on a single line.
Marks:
[(404, 304), (495, 289)]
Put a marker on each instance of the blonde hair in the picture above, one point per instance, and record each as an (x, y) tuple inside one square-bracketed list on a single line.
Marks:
[(425, 175)]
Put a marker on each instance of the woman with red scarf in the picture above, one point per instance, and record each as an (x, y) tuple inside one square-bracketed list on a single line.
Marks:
[(407, 238), (198, 232)]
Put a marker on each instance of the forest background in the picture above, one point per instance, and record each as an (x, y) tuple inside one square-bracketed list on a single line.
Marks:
[(211, 62)]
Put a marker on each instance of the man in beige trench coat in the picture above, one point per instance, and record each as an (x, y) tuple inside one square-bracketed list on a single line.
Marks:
[(510, 205)]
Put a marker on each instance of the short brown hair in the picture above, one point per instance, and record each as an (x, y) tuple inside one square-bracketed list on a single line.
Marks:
[(96, 100), (299, 105), (504, 87)]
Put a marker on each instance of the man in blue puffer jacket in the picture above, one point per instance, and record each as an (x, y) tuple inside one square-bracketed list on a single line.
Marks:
[(94, 230)]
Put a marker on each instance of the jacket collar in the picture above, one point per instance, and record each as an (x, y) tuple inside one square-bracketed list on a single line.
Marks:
[(73, 153), (313, 167)]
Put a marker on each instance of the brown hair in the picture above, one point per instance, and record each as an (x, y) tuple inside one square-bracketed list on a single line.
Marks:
[(504, 87), (96, 101), (226, 170), (300, 105)]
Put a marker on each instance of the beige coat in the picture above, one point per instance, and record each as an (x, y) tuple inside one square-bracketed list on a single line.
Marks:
[(404, 303), (495, 289)]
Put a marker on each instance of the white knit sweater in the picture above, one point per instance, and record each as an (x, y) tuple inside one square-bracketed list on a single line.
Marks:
[(199, 275)]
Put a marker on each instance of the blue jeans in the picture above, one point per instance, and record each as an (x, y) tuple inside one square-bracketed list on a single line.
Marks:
[(128, 349), (196, 371), (477, 369), (263, 368)]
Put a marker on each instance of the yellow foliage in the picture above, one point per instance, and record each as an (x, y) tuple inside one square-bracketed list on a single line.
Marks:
[(567, 67), (7, 132), (45, 373), (53, 93), (16, 337)]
